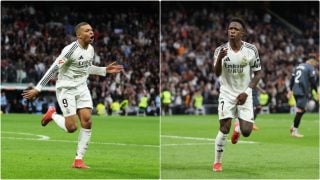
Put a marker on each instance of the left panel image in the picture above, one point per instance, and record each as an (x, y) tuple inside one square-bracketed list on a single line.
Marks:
[(80, 90)]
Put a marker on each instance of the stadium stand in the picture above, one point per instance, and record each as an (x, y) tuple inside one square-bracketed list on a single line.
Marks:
[(191, 31), (34, 33)]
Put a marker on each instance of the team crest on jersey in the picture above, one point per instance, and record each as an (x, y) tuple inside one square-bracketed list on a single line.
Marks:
[(80, 57), (243, 61)]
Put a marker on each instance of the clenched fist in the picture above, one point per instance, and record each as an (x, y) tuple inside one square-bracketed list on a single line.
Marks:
[(241, 99)]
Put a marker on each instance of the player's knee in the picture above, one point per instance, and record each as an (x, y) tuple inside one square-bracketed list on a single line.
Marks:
[(224, 129), (86, 124), (71, 128), (246, 132)]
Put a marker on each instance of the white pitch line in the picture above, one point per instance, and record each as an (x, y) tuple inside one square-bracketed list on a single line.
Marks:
[(46, 138), (201, 139), (40, 137), (187, 144)]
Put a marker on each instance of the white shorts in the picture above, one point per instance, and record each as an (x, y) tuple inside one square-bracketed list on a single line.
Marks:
[(71, 99), (229, 109)]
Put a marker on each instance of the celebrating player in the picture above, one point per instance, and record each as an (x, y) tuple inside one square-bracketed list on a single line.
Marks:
[(73, 66), (233, 62), (303, 80)]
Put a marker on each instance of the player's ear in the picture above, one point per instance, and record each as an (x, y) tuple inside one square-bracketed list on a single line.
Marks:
[(78, 33)]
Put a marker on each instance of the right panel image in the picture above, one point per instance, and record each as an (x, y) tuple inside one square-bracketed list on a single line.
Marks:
[(239, 90)]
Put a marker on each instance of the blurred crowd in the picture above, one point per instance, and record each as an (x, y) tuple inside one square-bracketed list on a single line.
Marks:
[(191, 32), (33, 36)]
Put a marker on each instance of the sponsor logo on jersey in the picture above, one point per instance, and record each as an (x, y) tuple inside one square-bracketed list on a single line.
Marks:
[(85, 63), (234, 68)]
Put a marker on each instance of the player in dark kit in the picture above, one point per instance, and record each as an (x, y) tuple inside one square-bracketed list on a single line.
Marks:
[(303, 80)]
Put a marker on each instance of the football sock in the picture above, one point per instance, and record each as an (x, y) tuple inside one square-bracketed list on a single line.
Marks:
[(297, 119), (60, 121), (220, 142), (83, 141), (237, 128)]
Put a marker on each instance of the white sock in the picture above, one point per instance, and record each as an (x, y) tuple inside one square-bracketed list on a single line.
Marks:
[(83, 140), (60, 121), (294, 130), (237, 129), (220, 142)]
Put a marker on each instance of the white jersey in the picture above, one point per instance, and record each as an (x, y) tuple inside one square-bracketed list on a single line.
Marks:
[(237, 68), (73, 66)]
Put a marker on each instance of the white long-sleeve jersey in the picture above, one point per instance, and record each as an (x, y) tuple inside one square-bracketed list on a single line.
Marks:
[(237, 68), (73, 66)]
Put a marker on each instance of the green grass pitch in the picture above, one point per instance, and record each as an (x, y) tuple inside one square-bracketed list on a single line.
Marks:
[(128, 148), (120, 148), (187, 149)]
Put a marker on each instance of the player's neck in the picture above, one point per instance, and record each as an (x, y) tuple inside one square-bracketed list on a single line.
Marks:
[(235, 45), (82, 44)]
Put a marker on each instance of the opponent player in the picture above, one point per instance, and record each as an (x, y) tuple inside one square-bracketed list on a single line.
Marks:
[(73, 66), (303, 80), (234, 62)]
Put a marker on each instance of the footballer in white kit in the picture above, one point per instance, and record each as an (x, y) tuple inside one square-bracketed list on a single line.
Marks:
[(234, 64), (73, 67), (235, 77)]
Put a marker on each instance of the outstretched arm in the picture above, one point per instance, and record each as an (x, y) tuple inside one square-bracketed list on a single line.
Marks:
[(33, 93), (114, 68), (102, 71), (51, 72)]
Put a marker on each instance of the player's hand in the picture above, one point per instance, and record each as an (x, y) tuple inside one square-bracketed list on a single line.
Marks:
[(114, 68), (30, 94), (289, 94), (241, 99), (222, 53)]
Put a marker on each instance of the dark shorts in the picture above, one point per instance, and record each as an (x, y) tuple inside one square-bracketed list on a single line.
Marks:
[(255, 98), (301, 101)]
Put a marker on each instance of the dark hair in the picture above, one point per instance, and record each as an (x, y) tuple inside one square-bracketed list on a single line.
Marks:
[(77, 27), (239, 20)]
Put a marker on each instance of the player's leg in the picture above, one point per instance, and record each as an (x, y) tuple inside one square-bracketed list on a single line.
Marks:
[(66, 101), (245, 124), (300, 110), (226, 113), (245, 127), (84, 136), (220, 142), (256, 107), (84, 110)]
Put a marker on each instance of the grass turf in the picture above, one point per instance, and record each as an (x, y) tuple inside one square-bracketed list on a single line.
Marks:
[(187, 149), (128, 148), (121, 147)]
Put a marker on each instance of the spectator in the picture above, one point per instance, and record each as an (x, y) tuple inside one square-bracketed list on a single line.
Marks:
[(4, 103)]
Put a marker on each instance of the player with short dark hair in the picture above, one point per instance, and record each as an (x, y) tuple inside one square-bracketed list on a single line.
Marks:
[(303, 80), (73, 67), (234, 63)]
